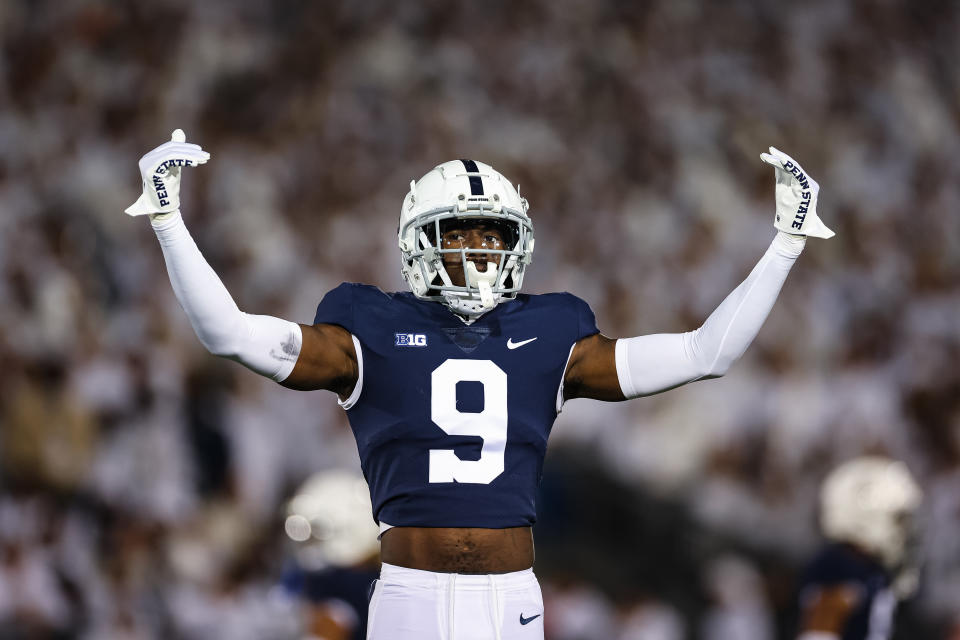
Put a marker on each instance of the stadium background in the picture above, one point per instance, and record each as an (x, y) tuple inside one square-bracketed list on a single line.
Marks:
[(143, 481)]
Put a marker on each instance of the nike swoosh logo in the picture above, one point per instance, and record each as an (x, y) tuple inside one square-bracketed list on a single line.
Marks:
[(528, 620), (514, 345)]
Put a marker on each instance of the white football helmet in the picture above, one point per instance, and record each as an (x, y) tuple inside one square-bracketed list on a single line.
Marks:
[(331, 515), (871, 502), (464, 189)]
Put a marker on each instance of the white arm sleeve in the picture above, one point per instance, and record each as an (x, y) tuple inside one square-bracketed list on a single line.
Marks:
[(270, 346), (655, 363)]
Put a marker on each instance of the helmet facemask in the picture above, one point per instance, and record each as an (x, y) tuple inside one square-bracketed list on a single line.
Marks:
[(423, 253)]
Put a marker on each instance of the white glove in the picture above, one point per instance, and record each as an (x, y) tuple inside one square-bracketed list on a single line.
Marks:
[(796, 195), (160, 170)]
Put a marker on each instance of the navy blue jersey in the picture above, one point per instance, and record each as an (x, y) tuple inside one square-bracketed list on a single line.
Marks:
[(842, 565), (451, 420), (350, 585)]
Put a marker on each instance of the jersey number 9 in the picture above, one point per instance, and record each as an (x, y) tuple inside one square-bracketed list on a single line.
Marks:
[(490, 423)]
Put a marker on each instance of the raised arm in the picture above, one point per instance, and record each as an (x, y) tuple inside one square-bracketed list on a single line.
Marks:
[(297, 356), (608, 369)]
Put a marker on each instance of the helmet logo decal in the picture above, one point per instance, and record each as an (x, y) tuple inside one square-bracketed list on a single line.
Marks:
[(476, 184)]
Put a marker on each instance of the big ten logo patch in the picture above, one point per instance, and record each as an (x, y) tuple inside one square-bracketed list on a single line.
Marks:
[(411, 340)]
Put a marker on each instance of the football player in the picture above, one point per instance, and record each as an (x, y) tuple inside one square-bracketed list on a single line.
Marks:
[(337, 556), (452, 387), (851, 588)]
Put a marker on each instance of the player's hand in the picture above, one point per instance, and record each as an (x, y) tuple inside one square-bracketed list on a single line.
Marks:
[(160, 170), (796, 194)]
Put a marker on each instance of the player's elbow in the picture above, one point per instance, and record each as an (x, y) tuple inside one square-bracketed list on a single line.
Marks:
[(709, 363), (718, 366), (221, 346), (717, 371), (710, 370)]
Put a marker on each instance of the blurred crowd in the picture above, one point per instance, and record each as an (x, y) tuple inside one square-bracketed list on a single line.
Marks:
[(142, 481)]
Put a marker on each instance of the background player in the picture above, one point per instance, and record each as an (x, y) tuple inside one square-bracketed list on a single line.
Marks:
[(851, 588), (336, 555), (452, 390)]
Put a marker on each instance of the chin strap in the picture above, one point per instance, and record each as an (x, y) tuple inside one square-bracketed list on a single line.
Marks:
[(482, 281)]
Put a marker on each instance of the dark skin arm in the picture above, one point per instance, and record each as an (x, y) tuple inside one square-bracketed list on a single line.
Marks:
[(327, 361), (592, 371), (827, 610)]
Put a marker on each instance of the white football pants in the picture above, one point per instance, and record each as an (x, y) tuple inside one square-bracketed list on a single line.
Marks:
[(409, 604)]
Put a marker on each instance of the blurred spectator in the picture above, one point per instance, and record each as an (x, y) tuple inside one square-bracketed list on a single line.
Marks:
[(739, 602)]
